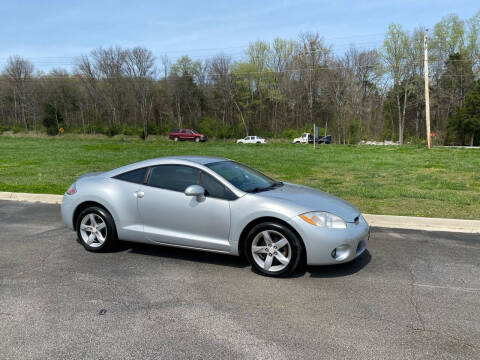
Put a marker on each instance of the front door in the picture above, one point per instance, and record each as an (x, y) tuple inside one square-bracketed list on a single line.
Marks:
[(171, 217)]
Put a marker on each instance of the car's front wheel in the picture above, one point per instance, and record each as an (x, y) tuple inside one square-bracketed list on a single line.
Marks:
[(273, 249), (175, 138), (96, 229), (197, 139)]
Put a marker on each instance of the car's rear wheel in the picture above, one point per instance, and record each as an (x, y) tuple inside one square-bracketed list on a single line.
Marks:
[(96, 229), (273, 249)]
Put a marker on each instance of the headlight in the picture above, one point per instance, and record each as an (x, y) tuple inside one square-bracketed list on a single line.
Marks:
[(324, 219)]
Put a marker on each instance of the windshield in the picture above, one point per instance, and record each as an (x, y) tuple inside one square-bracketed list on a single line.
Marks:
[(243, 177), (193, 131)]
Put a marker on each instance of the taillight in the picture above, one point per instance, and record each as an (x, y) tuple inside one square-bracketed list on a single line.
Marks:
[(72, 189)]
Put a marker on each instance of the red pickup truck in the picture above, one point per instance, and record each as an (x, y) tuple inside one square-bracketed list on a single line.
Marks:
[(186, 134)]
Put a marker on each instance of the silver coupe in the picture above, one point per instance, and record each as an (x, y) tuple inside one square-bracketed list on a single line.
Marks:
[(214, 204)]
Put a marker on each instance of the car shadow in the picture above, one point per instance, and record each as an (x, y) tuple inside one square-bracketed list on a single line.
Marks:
[(324, 271), (184, 254), (346, 269)]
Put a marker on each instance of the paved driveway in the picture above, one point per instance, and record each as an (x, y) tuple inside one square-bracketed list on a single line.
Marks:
[(413, 295)]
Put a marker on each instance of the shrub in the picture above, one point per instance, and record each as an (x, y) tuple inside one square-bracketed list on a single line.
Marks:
[(267, 134), (16, 129), (289, 134), (127, 130), (354, 132), (207, 126), (112, 131), (415, 140)]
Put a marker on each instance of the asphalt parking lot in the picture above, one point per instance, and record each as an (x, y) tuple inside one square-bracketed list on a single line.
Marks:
[(413, 295)]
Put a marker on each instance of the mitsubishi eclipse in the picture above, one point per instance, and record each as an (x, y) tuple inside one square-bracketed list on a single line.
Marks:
[(218, 205)]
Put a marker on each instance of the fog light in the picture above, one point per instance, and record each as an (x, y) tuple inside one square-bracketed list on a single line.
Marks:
[(341, 252)]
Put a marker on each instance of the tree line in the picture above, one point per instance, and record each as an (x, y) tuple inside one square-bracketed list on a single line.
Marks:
[(281, 87)]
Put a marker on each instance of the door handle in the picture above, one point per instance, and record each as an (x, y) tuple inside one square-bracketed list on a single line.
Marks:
[(139, 194)]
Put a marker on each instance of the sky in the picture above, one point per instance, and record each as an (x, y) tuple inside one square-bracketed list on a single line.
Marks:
[(52, 33)]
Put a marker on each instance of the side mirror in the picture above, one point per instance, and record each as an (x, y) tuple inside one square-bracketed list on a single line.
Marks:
[(195, 190)]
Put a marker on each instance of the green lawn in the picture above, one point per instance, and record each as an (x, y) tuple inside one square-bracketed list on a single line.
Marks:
[(380, 180)]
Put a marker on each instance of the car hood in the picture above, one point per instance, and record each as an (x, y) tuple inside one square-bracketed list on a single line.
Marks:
[(313, 200)]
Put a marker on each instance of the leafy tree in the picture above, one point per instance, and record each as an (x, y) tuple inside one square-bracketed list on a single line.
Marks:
[(395, 47), (52, 119), (465, 123)]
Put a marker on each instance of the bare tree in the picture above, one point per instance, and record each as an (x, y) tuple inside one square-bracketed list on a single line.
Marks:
[(19, 72), (219, 73), (140, 69)]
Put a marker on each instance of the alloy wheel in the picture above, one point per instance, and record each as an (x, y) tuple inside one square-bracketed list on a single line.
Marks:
[(271, 251), (93, 230)]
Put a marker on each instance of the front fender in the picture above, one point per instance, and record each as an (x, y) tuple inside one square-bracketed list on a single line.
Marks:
[(242, 215)]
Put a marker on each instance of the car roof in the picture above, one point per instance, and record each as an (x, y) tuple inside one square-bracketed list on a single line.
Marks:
[(203, 160)]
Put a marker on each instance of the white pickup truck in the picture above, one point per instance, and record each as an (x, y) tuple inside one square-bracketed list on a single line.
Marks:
[(303, 139), (252, 140), (307, 138)]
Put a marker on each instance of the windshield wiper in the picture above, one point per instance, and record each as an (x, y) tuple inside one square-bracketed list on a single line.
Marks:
[(274, 185)]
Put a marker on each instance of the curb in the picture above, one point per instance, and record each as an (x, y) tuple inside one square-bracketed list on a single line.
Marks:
[(423, 223), (382, 221), (42, 198)]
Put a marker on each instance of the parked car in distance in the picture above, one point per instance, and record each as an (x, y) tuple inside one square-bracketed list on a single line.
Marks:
[(214, 204), (186, 134), (324, 139), (252, 140), (307, 138)]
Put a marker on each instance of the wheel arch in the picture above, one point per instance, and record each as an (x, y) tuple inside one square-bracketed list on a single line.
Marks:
[(251, 224), (86, 204)]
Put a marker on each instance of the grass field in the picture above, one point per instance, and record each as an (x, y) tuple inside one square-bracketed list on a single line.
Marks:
[(379, 180)]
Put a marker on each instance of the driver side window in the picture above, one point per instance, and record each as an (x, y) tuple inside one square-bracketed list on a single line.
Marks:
[(214, 188), (173, 177)]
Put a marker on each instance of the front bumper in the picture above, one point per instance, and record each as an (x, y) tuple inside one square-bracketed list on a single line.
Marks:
[(326, 246)]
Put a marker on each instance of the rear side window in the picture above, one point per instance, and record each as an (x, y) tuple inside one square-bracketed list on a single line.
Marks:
[(214, 188), (174, 130), (173, 177), (135, 176)]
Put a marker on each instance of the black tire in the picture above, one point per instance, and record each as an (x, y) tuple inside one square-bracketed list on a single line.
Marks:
[(197, 139), (175, 138), (294, 242), (110, 233)]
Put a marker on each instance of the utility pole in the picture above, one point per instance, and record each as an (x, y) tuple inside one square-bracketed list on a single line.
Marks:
[(313, 136), (427, 90)]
